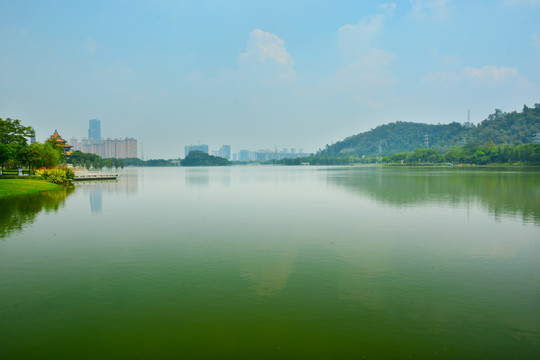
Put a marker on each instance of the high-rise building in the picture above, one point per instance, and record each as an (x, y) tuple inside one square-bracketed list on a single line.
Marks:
[(94, 130)]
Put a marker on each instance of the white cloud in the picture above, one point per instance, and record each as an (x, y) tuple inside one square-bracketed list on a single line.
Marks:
[(267, 56), (365, 74), (535, 40), (368, 78), (493, 74), (488, 75), (355, 39), (90, 46), (389, 8), (520, 2), (424, 8)]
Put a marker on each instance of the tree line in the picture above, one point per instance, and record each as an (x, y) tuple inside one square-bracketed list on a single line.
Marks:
[(514, 128), (15, 151), (467, 154)]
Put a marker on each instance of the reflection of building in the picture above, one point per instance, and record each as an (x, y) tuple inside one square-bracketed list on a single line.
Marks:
[(95, 200), (61, 143)]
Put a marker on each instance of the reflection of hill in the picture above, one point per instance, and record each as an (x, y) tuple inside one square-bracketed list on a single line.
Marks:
[(20, 210), (200, 177), (503, 192)]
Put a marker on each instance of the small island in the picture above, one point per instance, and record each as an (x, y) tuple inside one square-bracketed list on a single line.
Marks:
[(199, 158)]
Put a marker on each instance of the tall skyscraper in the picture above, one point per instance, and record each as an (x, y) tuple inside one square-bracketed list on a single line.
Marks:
[(94, 130)]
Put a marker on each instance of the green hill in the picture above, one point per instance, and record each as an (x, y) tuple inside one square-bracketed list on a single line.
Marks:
[(199, 158), (499, 128)]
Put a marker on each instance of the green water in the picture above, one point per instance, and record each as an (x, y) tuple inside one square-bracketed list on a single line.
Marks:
[(275, 262)]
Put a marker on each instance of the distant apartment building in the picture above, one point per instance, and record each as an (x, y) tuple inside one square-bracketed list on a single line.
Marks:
[(243, 155), (107, 149), (119, 148), (190, 148), (75, 143), (265, 155), (225, 152)]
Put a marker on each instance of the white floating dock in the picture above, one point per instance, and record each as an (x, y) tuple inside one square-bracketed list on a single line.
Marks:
[(81, 176)]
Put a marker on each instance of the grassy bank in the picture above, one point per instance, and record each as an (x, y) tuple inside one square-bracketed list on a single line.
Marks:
[(10, 187)]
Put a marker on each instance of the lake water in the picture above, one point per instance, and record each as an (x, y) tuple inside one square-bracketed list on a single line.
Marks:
[(275, 262)]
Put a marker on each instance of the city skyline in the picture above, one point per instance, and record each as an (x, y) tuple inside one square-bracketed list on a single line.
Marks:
[(105, 147), (263, 74)]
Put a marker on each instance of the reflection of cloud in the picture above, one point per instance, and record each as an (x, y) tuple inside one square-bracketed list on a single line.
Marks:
[(269, 273), (359, 278)]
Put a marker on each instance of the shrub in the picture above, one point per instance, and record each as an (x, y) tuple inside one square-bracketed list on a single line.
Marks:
[(57, 175)]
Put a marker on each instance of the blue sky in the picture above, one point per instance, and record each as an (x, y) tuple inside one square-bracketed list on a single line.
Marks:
[(262, 74)]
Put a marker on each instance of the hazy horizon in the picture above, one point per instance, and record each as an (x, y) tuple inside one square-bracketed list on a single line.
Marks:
[(262, 75)]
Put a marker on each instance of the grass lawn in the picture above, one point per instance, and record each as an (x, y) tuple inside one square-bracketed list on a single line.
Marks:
[(9, 187)]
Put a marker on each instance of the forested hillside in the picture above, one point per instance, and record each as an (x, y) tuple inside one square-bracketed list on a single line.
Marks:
[(499, 128)]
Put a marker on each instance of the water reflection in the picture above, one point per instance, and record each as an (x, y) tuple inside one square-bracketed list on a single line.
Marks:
[(127, 183), (197, 177), (200, 177), (20, 211), (269, 274), (95, 200), (502, 192)]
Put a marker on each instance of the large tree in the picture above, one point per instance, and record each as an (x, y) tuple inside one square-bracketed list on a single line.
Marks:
[(13, 132), (30, 157), (6, 153)]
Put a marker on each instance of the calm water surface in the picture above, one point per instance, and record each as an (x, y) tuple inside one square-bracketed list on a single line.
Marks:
[(275, 262)]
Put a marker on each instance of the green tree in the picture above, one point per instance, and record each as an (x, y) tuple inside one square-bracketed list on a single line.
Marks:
[(6, 153), (30, 157), (51, 155), (13, 132)]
